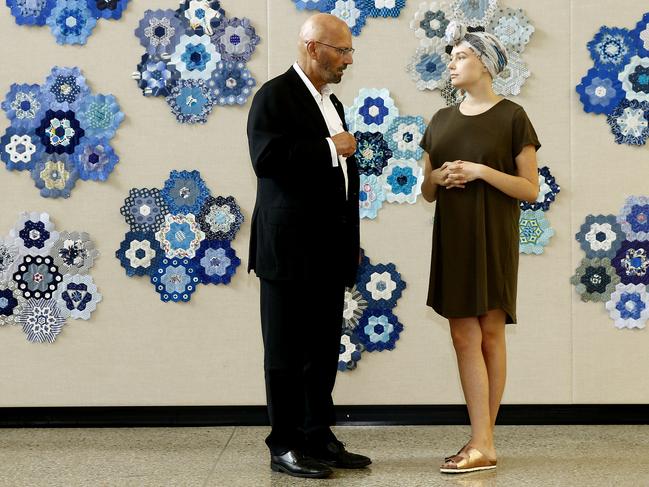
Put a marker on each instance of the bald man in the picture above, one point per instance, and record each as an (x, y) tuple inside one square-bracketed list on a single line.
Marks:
[(304, 245)]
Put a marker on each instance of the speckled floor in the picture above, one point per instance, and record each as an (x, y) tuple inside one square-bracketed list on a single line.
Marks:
[(403, 457)]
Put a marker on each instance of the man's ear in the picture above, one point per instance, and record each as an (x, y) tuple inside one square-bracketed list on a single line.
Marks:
[(311, 50)]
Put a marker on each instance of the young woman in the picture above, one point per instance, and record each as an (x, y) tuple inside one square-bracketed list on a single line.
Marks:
[(481, 160)]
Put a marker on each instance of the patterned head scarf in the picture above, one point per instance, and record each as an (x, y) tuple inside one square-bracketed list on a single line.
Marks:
[(487, 47)]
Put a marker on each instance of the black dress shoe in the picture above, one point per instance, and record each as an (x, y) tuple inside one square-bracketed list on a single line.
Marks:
[(335, 455), (295, 464)]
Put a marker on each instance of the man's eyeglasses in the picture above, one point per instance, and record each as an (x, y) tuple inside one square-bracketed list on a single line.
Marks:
[(341, 50)]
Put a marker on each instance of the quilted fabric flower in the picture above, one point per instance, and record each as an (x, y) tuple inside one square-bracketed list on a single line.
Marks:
[(203, 16), (512, 27), (629, 306), (600, 236), (370, 195), (191, 101), (107, 9), (372, 152), (30, 12), (430, 23), (159, 31), (231, 83), (600, 91), (403, 179), (41, 320), (612, 48), (217, 262), (175, 279), (195, 57), (20, 148), (24, 105), (144, 209), (100, 115), (381, 285), (350, 351), (629, 122), (34, 233), (355, 306), (220, 218), (512, 78), (60, 132), (71, 21), (37, 277), (378, 330), (404, 135), (77, 297), (65, 88), (95, 159), (236, 39), (180, 236), (373, 111), (11, 303), (641, 35), (632, 262), (383, 8), (635, 79), (9, 256), (548, 190), (352, 13), (428, 68), (634, 218), (595, 279), (534, 232), (185, 192), (320, 5), (139, 253), (474, 12), (155, 76), (55, 176), (74, 253)]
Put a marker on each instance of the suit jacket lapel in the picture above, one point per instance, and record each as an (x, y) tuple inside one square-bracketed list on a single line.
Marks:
[(311, 108)]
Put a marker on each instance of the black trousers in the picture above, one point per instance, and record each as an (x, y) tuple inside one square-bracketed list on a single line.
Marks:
[(301, 326)]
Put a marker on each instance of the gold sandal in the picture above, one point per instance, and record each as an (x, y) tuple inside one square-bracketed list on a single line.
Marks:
[(468, 459)]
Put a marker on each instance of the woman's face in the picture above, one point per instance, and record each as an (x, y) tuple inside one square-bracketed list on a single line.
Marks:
[(465, 67)]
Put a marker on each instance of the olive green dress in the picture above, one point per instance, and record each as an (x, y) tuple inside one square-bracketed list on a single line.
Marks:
[(474, 264)]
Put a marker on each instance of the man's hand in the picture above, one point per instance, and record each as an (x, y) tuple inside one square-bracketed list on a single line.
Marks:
[(345, 144)]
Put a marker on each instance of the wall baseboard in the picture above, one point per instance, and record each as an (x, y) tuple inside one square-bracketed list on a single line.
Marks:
[(383, 415)]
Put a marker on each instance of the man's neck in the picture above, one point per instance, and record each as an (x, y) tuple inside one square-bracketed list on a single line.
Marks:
[(317, 82)]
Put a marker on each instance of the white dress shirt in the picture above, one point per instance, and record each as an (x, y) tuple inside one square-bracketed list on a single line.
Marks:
[(331, 117)]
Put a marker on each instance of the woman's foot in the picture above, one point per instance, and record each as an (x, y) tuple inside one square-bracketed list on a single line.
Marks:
[(468, 459)]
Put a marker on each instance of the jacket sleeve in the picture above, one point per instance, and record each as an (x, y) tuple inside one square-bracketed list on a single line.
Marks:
[(276, 146)]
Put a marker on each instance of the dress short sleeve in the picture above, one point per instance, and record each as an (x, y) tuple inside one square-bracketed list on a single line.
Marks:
[(426, 141), (523, 133)]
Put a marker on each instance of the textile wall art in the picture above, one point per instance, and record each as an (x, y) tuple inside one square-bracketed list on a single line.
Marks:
[(534, 228)]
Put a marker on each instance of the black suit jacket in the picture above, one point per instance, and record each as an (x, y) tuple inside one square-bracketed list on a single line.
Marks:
[(302, 225)]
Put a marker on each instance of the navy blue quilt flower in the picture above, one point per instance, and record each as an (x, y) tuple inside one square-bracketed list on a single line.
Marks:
[(612, 48), (65, 88), (24, 105), (381, 8), (37, 277), (175, 279), (220, 218), (548, 190), (30, 12), (60, 132), (155, 76), (185, 192), (641, 35), (71, 21), (631, 262), (203, 16), (600, 91), (144, 209), (107, 9), (381, 285), (231, 83), (139, 253), (629, 122), (217, 262), (20, 149), (378, 330), (372, 152)]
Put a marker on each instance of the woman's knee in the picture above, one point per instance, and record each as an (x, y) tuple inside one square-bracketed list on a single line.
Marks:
[(466, 338)]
